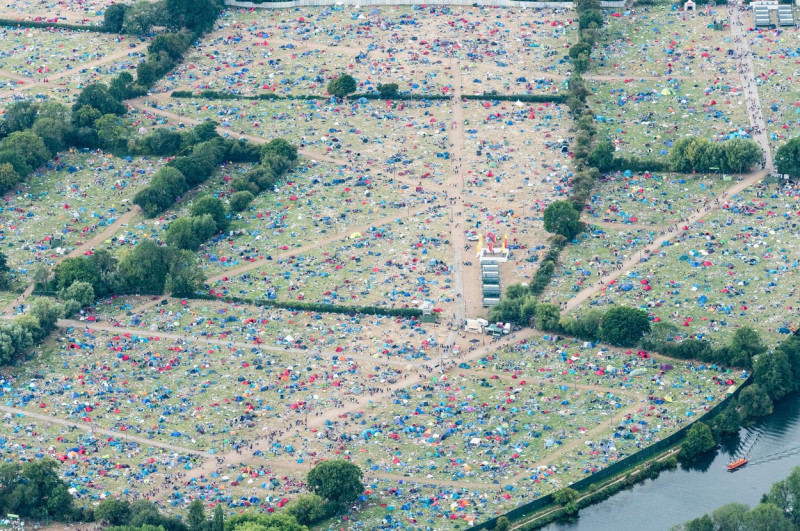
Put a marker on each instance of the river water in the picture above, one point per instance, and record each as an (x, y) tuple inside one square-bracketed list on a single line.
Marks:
[(772, 447)]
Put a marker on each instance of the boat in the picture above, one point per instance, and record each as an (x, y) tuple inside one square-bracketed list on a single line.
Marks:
[(733, 465)]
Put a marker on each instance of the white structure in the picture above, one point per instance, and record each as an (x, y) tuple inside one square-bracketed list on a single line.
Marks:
[(689, 6)]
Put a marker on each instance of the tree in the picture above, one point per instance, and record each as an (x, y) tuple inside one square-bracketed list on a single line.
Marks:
[(121, 86), (308, 509), (20, 115), (81, 292), (34, 490), (740, 155), (754, 402), (602, 156), (565, 496), (560, 217), (113, 511), (624, 326), (185, 276), (527, 311), (698, 440), (197, 516), (206, 131), (144, 269), (586, 326), (703, 523), (5, 273), (53, 132), (502, 524), (78, 269), (172, 44), (97, 96), (218, 522), (785, 495), (160, 142), (169, 182), (336, 480), (114, 16), (214, 207), (196, 15), (180, 234), (342, 86), (8, 177), (113, 132), (240, 200), (745, 345), (506, 311), (40, 275), (773, 373), (787, 158), (28, 146), (730, 517), (279, 147), (768, 517), (141, 17), (48, 313), (547, 316), (388, 90)]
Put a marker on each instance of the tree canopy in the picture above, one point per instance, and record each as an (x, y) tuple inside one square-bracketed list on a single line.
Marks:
[(787, 158), (561, 217), (342, 86), (336, 480), (624, 326)]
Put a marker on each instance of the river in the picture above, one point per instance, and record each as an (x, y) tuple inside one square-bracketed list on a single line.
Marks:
[(772, 447)]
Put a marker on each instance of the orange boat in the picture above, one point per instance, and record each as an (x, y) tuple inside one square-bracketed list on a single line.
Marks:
[(736, 464)]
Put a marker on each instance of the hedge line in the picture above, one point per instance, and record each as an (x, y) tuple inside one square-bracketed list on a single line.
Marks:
[(48, 25), (218, 95), (315, 306), (531, 98)]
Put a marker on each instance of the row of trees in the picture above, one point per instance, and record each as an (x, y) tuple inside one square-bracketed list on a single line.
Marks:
[(334, 485), (620, 325), (185, 172), (590, 20), (700, 154), (687, 154), (778, 510), (146, 268), (141, 17)]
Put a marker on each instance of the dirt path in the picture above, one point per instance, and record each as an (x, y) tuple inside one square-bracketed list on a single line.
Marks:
[(749, 180), (745, 67), (107, 233), (318, 243), (456, 186), (146, 332), (97, 240), (119, 435), (66, 73)]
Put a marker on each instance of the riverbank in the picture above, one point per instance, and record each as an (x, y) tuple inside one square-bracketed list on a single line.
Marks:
[(596, 493)]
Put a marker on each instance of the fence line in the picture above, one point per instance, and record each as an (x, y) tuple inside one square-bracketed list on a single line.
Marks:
[(600, 475), (358, 3)]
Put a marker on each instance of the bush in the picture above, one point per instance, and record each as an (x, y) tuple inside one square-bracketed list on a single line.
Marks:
[(240, 201), (624, 326), (342, 86)]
